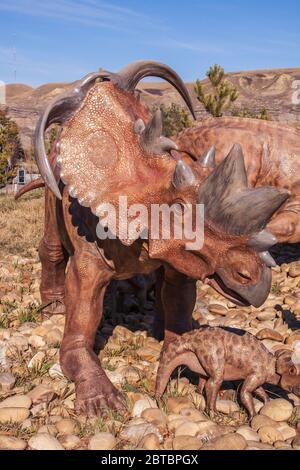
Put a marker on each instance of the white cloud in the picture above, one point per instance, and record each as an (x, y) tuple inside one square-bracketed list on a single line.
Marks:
[(86, 12)]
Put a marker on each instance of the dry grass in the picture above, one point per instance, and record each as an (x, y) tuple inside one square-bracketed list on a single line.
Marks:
[(21, 223)]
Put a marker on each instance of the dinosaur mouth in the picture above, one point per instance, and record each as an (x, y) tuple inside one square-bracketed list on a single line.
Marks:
[(217, 283)]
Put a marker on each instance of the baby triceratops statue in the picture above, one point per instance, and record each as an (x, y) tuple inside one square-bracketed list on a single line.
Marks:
[(218, 355)]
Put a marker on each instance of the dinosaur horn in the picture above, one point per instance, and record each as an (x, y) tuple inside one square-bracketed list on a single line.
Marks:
[(129, 77), (58, 112), (208, 159), (229, 202), (262, 240), (183, 176), (267, 259), (151, 136)]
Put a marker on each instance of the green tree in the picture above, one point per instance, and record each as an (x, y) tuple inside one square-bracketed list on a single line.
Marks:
[(223, 92), (175, 118), (10, 147), (246, 113)]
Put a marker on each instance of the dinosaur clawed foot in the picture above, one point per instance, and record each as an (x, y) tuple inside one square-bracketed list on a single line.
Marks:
[(95, 394), (56, 307)]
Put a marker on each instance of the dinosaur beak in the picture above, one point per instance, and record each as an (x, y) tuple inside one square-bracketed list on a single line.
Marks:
[(243, 295)]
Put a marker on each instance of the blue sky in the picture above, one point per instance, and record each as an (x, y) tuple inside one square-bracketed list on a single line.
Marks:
[(62, 40)]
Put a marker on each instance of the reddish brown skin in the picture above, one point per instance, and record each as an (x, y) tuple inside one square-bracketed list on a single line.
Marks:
[(219, 355), (272, 157), (70, 237)]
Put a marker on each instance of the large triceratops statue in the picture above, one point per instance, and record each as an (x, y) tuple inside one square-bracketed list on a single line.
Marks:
[(109, 148), (272, 157)]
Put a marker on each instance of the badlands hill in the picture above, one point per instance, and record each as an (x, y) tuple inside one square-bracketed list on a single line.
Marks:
[(270, 89)]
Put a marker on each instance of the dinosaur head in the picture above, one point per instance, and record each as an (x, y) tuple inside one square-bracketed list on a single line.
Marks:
[(109, 148), (289, 371), (233, 259)]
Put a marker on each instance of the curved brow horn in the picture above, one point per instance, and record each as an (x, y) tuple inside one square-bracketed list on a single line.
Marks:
[(128, 78), (58, 112)]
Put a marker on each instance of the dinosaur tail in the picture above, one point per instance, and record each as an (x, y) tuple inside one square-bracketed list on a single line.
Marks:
[(35, 184), (178, 352)]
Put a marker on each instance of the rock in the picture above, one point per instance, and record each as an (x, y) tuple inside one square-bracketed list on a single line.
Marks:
[(174, 423), (55, 371), (294, 269), (148, 354), (44, 441), (186, 443), (257, 405), (36, 360), (70, 441), (207, 430), (193, 415), (259, 421), (66, 426), (227, 407), (277, 409), (281, 445), (253, 445), (269, 435), (150, 442), (266, 315), (7, 381), (175, 404), (4, 360), (296, 442), (27, 424), (267, 333), (20, 343), (141, 405), (13, 415), (36, 341), (102, 441), (229, 442), (286, 431), (54, 337), (42, 394), (135, 433), (187, 428), (293, 337), (131, 374), (156, 417), (218, 309), (16, 401), (12, 443), (199, 401), (248, 433), (48, 429)]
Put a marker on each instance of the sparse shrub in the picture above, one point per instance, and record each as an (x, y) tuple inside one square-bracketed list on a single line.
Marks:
[(10, 147), (175, 118), (223, 92), (246, 113)]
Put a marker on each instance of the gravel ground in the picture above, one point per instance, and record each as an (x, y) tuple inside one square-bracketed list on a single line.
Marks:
[(37, 401)]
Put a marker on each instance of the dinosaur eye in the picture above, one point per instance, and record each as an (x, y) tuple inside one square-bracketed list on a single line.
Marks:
[(244, 274)]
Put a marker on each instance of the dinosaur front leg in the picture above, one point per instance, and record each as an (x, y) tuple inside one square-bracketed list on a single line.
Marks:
[(86, 282), (178, 294)]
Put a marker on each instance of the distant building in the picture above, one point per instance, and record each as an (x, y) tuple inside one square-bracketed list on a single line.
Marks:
[(26, 172)]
